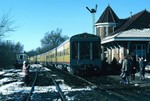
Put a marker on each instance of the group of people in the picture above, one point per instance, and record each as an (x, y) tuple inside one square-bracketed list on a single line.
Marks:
[(128, 64), (129, 67)]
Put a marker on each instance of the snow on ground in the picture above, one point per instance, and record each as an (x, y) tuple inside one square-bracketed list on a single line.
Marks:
[(34, 67), (147, 75), (2, 81), (13, 88), (16, 87), (65, 88), (9, 88), (2, 72)]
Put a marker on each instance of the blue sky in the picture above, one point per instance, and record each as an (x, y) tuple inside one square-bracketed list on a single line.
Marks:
[(34, 18)]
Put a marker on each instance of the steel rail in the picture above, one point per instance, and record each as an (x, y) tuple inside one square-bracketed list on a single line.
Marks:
[(58, 88), (99, 87), (32, 88)]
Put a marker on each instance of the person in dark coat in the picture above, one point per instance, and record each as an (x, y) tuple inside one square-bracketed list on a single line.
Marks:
[(114, 63), (133, 67), (125, 71), (142, 68)]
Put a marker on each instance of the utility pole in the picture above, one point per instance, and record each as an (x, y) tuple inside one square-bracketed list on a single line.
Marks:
[(93, 11)]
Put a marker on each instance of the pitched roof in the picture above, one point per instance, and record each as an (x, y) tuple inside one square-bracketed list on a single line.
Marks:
[(129, 35), (108, 16), (137, 21)]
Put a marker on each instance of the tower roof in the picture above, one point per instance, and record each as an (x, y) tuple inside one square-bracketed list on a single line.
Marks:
[(108, 16)]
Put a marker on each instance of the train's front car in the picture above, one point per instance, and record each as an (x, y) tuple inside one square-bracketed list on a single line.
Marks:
[(20, 58), (85, 53)]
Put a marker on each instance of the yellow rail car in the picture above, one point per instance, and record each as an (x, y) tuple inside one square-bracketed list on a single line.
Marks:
[(63, 53)]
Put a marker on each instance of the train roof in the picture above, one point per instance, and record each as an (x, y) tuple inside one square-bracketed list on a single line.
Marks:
[(59, 45), (84, 35), (63, 43)]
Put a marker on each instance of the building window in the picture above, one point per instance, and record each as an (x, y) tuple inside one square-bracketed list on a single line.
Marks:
[(139, 47), (140, 50)]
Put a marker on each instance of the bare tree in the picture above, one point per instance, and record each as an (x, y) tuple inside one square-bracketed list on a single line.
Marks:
[(6, 25), (18, 47), (8, 49), (8, 52), (52, 39)]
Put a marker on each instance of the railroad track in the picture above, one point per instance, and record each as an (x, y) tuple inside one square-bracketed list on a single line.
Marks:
[(101, 88), (117, 90), (58, 87), (54, 82), (84, 82), (98, 87), (33, 84), (111, 88)]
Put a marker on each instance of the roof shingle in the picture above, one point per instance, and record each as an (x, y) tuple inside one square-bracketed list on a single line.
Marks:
[(108, 16), (137, 21)]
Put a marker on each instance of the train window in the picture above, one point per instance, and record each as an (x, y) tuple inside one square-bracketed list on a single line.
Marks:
[(74, 50), (59, 53), (21, 56), (85, 50), (68, 51), (96, 50), (47, 57), (62, 52)]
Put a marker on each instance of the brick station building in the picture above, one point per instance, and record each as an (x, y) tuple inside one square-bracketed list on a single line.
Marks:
[(129, 36)]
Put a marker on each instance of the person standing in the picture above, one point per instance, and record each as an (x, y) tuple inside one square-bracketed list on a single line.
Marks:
[(142, 68), (125, 71), (120, 62), (133, 68), (26, 72)]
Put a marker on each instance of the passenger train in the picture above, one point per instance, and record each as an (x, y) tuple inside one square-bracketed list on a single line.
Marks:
[(81, 53)]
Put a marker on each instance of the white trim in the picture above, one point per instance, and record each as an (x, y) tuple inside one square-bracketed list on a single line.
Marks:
[(125, 39), (132, 39), (148, 46), (137, 35), (106, 41), (113, 54), (105, 24)]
